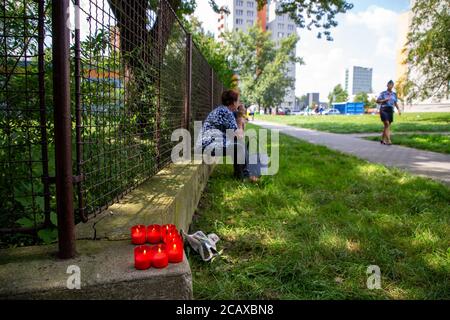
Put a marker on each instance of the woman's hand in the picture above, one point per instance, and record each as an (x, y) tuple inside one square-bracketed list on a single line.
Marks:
[(239, 133)]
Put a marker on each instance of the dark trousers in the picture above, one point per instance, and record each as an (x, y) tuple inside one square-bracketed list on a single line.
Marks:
[(240, 167)]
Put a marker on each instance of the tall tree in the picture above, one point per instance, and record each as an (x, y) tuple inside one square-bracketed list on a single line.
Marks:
[(338, 95), (362, 97), (319, 14), (212, 50), (428, 50), (262, 65)]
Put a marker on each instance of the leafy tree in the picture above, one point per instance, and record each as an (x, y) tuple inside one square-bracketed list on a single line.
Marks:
[(212, 51), (338, 95), (261, 65), (308, 14), (403, 87), (428, 50), (300, 100), (319, 14), (362, 97), (373, 103)]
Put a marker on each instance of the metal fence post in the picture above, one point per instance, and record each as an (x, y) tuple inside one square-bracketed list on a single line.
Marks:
[(158, 103), (212, 87), (43, 113), (188, 92), (63, 141), (78, 120)]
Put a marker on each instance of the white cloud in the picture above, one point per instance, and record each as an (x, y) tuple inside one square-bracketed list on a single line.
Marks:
[(367, 38), (375, 18)]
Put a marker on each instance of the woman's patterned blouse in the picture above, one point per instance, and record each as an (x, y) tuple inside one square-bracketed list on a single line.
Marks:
[(215, 126)]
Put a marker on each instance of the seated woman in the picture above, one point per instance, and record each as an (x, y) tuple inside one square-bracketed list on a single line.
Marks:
[(214, 133)]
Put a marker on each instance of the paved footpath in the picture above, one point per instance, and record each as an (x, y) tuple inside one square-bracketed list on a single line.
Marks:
[(424, 163), (378, 134)]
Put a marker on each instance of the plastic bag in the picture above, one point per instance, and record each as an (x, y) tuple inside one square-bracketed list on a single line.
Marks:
[(204, 245)]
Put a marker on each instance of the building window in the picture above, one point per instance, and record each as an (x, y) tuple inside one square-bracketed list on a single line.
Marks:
[(240, 3), (239, 12), (280, 26), (280, 34), (250, 4), (249, 13), (291, 27), (250, 22), (239, 21)]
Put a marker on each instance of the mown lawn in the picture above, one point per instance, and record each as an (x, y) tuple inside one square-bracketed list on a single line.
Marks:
[(312, 230), (430, 142), (408, 122)]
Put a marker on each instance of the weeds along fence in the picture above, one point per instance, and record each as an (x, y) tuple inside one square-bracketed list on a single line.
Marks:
[(90, 93)]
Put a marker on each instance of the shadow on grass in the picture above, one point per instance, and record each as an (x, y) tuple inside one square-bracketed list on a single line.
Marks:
[(311, 231)]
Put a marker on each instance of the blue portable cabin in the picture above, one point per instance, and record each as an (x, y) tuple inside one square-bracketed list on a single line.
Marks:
[(349, 107)]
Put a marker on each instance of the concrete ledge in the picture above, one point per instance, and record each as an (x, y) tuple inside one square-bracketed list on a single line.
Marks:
[(171, 196), (105, 253), (106, 272)]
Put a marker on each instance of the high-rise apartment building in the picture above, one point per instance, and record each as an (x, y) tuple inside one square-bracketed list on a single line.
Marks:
[(312, 99), (358, 80), (282, 26), (244, 13)]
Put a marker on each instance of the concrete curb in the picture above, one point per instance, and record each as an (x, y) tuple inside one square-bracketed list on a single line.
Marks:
[(105, 254)]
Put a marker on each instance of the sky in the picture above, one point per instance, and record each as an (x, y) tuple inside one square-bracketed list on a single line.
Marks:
[(366, 36)]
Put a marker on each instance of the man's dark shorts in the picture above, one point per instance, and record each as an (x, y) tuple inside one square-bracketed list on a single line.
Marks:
[(387, 114)]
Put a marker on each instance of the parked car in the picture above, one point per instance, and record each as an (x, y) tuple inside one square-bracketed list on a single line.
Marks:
[(331, 112)]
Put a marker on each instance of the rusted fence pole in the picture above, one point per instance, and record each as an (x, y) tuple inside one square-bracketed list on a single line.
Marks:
[(43, 113), (78, 117), (161, 17), (211, 74), (63, 142), (188, 90)]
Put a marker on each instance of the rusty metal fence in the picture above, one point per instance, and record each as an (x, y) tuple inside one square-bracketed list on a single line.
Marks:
[(86, 114)]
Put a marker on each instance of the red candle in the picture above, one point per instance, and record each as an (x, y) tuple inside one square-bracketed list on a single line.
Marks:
[(142, 257), (160, 259), (168, 227), (171, 236), (175, 252), (138, 234), (154, 233)]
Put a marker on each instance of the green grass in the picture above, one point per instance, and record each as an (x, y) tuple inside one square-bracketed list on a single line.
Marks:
[(311, 231), (430, 142), (409, 122)]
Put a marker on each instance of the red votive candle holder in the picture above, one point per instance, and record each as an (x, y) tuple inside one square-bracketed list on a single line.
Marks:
[(138, 234), (171, 236), (168, 227), (142, 257), (175, 251), (154, 233), (160, 259)]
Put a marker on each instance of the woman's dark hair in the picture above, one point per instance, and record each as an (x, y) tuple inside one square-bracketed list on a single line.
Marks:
[(229, 97)]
